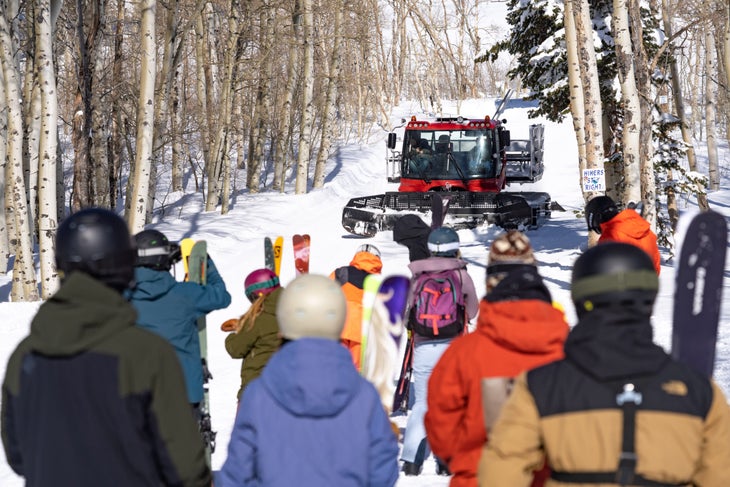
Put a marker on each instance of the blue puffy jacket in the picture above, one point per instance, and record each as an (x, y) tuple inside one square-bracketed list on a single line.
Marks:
[(310, 420), (170, 309)]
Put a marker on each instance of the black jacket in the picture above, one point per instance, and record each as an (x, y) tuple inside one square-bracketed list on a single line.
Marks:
[(91, 399)]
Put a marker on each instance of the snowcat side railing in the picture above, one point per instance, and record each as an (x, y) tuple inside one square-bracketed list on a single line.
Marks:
[(525, 157)]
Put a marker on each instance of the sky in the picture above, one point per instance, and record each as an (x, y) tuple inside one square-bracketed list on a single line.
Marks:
[(235, 243)]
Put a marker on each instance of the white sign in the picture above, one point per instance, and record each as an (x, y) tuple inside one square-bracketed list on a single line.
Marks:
[(594, 180)]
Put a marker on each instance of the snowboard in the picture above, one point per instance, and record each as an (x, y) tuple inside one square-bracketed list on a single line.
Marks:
[(698, 291), (278, 250), (384, 345), (269, 254), (196, 271), (370, 287), (300, 244)]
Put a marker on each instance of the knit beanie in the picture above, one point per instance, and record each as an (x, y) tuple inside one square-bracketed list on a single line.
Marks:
[(508, 249)]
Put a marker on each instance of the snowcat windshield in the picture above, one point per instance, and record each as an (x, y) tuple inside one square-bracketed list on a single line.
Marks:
[(449, 154)]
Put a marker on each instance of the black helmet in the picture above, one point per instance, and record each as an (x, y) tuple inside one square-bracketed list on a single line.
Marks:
[(155, 251), (97, 242), (613, 273), (600, 210)]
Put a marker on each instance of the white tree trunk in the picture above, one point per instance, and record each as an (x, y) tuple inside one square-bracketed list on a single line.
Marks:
[(145, 118), (577, 102), (4, 230), (330, 101), (711, 73), (48, 145), (629, 101), (24, 285), (307, 106)]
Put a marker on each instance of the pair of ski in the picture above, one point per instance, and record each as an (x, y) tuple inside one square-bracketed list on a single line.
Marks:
[(273, 251), (195, 261)]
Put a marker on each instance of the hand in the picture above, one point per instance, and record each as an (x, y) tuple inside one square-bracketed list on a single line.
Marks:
[(230, 325)]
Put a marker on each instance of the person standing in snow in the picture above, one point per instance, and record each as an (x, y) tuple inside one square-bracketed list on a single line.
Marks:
[(254, 337), (628, 226), (170, 308), (617, 410), (443, 244), (89, 398), (366, 261), (310, 418), (518, 328)]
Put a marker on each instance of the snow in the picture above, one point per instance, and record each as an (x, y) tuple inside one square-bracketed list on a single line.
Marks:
[(235, 242)]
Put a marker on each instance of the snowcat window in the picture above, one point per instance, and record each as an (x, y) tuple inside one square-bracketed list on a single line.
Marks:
[(448, 154)]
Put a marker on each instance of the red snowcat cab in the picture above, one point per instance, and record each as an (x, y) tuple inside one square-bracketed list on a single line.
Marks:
[(468, 161)]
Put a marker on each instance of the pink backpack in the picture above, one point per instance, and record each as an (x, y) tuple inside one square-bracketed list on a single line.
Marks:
[(437, 309)]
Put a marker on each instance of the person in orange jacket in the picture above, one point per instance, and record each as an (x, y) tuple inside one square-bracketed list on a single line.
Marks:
[(518, 328), (351, 277), (627, 226)]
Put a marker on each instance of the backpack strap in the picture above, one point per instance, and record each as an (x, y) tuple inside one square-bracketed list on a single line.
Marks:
[(629, 399)]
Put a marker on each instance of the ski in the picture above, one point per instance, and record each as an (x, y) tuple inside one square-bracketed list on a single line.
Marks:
[(278, 250), (196, 259), (370, 287), (269, 254), (403, 386), (300, 244), (698, 291)]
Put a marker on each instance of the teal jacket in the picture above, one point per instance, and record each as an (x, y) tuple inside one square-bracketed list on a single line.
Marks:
[(171, 309)]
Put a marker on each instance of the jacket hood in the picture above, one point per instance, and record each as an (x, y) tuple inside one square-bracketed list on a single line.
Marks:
[(528, 326), (630, 223), (436, 264), (82, 313), (312, 377), (365, 261), (615, 344), (151, 284)]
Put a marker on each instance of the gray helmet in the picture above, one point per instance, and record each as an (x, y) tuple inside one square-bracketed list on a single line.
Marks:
[(443, 242), (311, 306)]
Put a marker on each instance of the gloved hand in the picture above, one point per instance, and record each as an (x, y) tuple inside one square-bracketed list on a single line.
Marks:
[(230, 325)]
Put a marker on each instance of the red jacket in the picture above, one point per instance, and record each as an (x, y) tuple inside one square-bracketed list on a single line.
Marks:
[(511, 336), (629, 227)]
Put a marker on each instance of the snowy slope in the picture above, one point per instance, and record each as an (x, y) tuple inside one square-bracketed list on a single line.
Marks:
[(235, 242)]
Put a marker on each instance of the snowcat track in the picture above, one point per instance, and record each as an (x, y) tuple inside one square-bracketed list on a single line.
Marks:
[(366, 215)]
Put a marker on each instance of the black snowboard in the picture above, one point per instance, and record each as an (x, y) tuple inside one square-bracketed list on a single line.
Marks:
[(698, 291), (439, 208)]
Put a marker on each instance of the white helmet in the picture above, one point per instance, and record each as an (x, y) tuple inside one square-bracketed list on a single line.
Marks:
[(311, 306)]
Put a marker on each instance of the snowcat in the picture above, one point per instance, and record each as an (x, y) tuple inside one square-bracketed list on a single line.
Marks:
[(469, 162)]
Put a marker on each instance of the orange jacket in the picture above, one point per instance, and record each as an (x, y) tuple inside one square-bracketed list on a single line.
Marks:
[(351, 279), (629, 227), (511, 336)]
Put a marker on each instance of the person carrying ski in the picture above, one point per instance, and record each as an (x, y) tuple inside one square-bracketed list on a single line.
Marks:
[(89, 398), (170, 308), (628, 226), (518, 328), (310, 418), (617, 410), (352, 277), (443, 267), (254, 337)]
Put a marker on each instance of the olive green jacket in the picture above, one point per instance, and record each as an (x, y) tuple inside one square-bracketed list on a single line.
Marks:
[(256, 345)]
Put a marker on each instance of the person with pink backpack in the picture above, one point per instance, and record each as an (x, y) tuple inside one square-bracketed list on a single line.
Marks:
[(254, 337), (442, 301)]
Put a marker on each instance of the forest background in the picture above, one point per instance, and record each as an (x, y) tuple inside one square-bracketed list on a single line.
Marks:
[(98, 98)]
